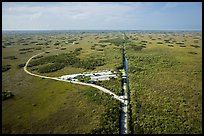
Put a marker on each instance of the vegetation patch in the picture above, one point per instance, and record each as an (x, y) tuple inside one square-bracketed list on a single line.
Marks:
[(63, 48), (25, 49), (68, 59), (116, 41), (190, 52), (195, 46), (77, 51), (135, 46), (38, 48), (182, 45), (21, 65), (24, 52), (84, 79), (93, 48), (159, 42), (170, 45), (6, 95), (110, 120), (6, 68), (37, 57), (114, 85), (103, 45), (99, 49), (51, 68), (90, 63), (10, 57)]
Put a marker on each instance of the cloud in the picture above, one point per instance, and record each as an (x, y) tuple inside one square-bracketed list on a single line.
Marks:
[(83, 15), (170, 5), (70, 13)]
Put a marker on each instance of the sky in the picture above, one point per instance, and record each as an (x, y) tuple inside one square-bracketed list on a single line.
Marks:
[(102, 16)]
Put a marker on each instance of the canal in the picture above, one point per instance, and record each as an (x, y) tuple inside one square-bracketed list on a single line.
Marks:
[(126, 113)]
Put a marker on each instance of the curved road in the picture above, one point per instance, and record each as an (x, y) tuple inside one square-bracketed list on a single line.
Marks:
[(81, 83)]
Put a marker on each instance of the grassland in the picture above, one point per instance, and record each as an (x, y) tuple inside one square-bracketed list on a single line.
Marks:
[(164, 74), (166, 84), (46, 106)]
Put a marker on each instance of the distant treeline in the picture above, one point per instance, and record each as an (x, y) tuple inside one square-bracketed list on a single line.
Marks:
[(116, 41)]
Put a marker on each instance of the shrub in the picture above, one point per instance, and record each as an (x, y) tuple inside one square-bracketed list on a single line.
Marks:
[(159, 42), (84, 78), (182, 45), (77, 49), (23, 52), (99, 49), (25, 49), (92, 47), (38, 48), (116, 41), (138, 48), (67, 59), (63, 48), (6, 95), (110, 120), (21, 65), (6, 68), (170, 45), (56, 43), (51, 68), (192, 52), (90, 63), (103, 45), (10, 57), (71, 41), (114, 85), (33, 69), (195, 46), (37, 57)]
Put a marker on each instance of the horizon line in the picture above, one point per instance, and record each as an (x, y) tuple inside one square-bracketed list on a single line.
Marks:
[(102, 30)]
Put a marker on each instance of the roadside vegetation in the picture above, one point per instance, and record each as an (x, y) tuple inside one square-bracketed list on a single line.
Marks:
[(114, 85), (110, 120)]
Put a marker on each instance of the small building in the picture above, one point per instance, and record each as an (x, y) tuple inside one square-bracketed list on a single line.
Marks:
[(70, 77), (95, 76)]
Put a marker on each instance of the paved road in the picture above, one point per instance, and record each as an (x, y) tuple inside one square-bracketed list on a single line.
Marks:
[(123, 127), (75, 82)]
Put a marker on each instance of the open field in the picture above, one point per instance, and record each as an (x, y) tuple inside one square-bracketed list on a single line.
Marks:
[(165, 74)]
